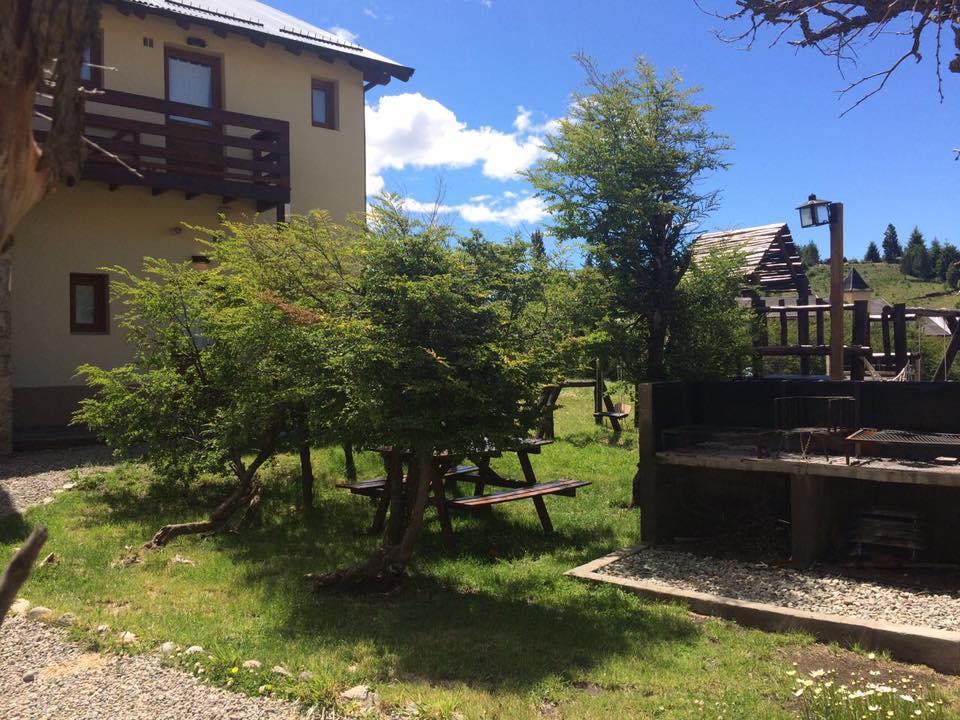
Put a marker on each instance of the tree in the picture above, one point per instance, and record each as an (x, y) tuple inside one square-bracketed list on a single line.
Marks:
[(42, 44), (839, 28), (625, 173), (219, 374), (936, 250), (873, 253), (443, 357), (891, 245), (949, 255), (536, 242), (711, 334), (810, 254), (953, 275), (916, 260)]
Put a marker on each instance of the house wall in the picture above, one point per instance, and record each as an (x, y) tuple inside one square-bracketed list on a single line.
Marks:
[(87, 227)]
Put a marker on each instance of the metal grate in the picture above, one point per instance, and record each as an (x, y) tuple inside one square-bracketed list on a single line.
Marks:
[(903, 437)]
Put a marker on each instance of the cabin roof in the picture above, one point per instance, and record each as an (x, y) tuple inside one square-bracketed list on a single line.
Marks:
[(770, 257), (854, 281), (263, 22)]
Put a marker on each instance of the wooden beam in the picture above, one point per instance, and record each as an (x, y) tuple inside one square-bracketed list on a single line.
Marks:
[(293, 49), (183, 23), (220, 32), (944, 368), (259, 42), (157, 191), (900, 335)]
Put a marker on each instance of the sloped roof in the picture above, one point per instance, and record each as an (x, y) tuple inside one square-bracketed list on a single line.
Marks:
[(854, 281), (770, 257), (259, 20)]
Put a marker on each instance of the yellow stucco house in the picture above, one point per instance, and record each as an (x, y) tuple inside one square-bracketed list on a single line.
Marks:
[(221, 106)]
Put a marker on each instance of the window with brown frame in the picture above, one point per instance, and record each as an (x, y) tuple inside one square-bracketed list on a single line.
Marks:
[(89, 303), (323, 104), (91, 72)]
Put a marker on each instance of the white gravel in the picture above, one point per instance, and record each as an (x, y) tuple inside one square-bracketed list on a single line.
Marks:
[(30, 478), (810, 590), (45, 677)]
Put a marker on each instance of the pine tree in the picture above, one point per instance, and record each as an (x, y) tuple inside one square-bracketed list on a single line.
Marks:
[(810, 254), (891, 245), (936, 250), (873, 253), (536, 244), (949, 255), (916, 260)]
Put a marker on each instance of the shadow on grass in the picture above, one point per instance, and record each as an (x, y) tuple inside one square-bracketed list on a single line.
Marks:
[(498, 614), (625, 439)]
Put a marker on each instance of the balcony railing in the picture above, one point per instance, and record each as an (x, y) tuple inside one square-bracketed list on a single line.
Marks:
[(195, 150)]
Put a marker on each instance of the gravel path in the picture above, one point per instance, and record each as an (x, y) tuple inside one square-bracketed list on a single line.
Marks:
[(30, 478), (811, 591), (72, 683)]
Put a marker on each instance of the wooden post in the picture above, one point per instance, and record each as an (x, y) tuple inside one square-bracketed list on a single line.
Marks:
[(598, 394), (885, 333), (803, 331), (783, 324), (810, 519), (859, 336), (646, 490), (900, 335), (836, 291), (760, 337)]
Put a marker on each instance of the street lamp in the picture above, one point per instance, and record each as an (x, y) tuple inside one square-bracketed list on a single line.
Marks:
[(816, 212)]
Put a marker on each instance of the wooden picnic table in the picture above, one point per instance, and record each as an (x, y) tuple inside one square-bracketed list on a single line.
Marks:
[(444, 491)]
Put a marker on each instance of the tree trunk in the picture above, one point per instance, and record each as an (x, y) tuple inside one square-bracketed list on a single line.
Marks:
[(32, 34), (245, 495), (385, 568), (306, 476), (350, 465)]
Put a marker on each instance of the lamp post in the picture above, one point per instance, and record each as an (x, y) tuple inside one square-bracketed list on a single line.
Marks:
[(816, 212)]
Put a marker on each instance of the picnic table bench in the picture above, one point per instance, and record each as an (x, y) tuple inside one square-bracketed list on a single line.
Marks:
[(481, 475)]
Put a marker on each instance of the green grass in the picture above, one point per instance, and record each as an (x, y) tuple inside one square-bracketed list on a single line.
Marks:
[(886, 281), (496, 631)]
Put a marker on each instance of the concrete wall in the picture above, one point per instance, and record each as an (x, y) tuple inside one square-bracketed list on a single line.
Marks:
[(87, 227)]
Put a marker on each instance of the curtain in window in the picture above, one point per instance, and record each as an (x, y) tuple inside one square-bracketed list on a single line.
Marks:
[(190, 83)]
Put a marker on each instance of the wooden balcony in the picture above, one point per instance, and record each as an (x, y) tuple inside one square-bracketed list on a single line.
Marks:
[(179, 147)]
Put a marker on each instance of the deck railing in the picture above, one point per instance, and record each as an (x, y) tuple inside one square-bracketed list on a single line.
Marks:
[(176, 146)]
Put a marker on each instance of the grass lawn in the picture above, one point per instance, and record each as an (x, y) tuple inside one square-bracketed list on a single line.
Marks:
[(888, 282), (494, 632)]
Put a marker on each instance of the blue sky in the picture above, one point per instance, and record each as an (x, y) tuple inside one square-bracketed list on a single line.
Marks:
[(491, 75)]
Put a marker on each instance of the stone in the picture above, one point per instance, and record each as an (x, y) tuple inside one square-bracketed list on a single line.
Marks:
[(39, 612), (180, 560), (103, 629), (127, 638), (362, 695), (47, 500), (68, 618), (168, 648), (20, 606), (69, 486), (252, 665), (306, 676), (193, 650), (30, 676), (281, 670)]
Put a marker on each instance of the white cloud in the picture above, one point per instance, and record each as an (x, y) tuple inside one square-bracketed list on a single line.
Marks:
[(526, 210), (481, 198), (343, 34), (416, 131), (370, 13)]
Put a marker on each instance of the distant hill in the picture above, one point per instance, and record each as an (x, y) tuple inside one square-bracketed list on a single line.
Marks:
[(888, 282)]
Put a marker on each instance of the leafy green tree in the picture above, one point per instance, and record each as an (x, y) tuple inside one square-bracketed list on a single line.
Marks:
[(443, 358), (711, 336), (873, 253), (625, 173), (810, 255), (936, 250), (216, 377), (891, 245)]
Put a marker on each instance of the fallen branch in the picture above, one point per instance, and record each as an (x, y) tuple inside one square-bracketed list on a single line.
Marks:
[(18, 570)]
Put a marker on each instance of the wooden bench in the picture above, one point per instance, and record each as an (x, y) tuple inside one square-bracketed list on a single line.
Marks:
[(527, 492)]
